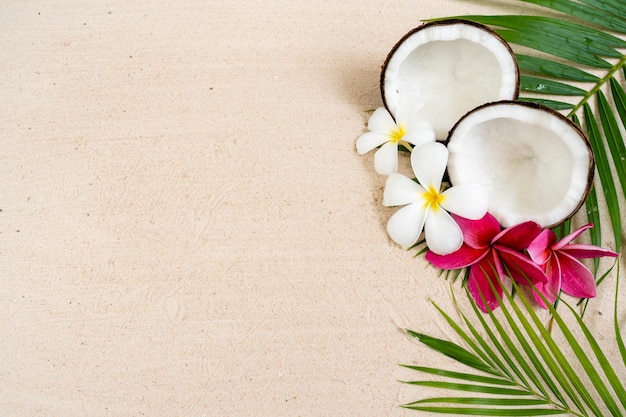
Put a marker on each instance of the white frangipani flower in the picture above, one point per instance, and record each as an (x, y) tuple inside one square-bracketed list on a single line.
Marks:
[(426, 207), (406, 130)]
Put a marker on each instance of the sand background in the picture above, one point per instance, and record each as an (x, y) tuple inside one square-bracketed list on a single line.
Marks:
[(186, 228)]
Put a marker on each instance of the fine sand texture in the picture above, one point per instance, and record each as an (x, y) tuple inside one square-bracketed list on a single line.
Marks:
[(186, 229)]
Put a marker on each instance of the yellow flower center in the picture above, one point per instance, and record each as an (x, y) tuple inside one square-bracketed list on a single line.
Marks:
[(432, 198), (396, 137), (397, 134)]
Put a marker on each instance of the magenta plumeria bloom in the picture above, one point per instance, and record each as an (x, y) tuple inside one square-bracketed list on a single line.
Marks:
[(491, 252), (561, 262)]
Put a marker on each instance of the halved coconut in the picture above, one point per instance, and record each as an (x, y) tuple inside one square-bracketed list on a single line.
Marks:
[(450, 66), (534, 163)]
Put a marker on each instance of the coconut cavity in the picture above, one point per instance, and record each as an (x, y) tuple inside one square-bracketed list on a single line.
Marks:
[(533, 163), (450, 67)]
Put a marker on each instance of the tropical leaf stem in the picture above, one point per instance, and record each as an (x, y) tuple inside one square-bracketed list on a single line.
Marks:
[(589, 94)]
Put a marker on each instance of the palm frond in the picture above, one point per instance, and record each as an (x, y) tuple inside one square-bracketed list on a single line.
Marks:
[(537, 65), (526, 370)]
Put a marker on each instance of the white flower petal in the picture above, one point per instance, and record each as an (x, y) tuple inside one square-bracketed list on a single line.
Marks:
[(381, 121), (429, 163), (466, 200), (443, 235), (419, 133), (400, 190), (407, 110), (370, 140), (386, 158), (406, 225)]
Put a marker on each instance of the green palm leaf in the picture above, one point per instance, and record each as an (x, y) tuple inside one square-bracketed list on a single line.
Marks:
[(537, 65), (460, 375), (598, 16), (505, 393), (613, 137), (498, 412), (547, 86), (554, 46), (513, 357), (618, 335), (453, 351), (593, 215), (604, 172), (481, 401), (607, 368), (556, 105)]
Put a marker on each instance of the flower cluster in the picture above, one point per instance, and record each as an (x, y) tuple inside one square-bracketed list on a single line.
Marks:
[(457, 227), (426, 204), (525, 253)]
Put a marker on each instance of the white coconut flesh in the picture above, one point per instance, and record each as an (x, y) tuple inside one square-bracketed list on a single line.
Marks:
[(452, 67), (534, 164)]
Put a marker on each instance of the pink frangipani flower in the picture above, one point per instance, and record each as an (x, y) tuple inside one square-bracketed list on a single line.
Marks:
[(561, 262), (488, 251)]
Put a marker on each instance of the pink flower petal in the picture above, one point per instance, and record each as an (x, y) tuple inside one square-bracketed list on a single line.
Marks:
[(481, 274), (519, 266), (539, 248), (576, 279), (519, 236), (478, 233), (550, 289), (462, 258), (587, 251), (567, 239)]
